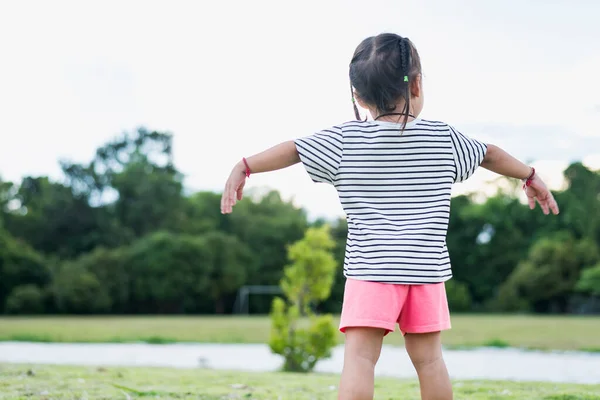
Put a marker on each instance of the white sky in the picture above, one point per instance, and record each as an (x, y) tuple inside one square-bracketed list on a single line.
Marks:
[(232, 78)]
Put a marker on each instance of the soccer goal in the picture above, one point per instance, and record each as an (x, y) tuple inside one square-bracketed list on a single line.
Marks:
[(242, 301)]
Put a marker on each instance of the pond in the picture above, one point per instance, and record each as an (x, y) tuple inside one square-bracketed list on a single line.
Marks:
[(484, 363)]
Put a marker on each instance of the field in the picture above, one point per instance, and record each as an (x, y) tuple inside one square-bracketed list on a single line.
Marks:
[(531, 332), (58, 382)]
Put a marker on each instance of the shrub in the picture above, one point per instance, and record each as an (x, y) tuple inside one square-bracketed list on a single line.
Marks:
[(307, 280), (25, 299)]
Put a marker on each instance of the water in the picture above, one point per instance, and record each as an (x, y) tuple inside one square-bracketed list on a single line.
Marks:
[(495, 364)]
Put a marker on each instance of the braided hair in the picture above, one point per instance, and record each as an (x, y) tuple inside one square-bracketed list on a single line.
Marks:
[(381, 73)]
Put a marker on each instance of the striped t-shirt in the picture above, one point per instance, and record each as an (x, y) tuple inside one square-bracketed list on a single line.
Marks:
[(395, 190)]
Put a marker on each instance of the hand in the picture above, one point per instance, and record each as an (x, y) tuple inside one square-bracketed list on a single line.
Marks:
[(538, 191), (234, 188)]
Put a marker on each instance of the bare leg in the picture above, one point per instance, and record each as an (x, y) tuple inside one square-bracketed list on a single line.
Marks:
[(425, 351), (361, 352)]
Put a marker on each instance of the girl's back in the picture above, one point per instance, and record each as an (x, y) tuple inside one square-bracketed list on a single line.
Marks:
[(395, 189)]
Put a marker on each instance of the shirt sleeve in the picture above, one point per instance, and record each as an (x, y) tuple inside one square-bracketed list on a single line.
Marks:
[(321, 154), (468, 154)]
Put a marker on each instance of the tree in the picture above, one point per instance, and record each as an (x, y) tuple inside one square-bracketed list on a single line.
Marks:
[(25, 299), (547, 278), (112, 269), (339, 232), (78, 291), (169, 273), (583, 196), (202, 214), (20, 265), (458, 295), (306, 280), (266, 224), (55, 221), (7, 194), (486, 241), (138, 170), (229, 262), (589, 282), (150, 198)]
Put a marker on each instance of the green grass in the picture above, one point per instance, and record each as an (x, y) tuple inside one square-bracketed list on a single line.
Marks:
[(19, 382), (468, 331)]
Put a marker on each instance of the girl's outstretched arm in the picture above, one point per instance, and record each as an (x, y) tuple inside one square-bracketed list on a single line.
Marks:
[(281, 156), (500, 162)]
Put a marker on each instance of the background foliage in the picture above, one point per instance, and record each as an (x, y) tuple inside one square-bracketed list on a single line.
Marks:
[(120, 235)]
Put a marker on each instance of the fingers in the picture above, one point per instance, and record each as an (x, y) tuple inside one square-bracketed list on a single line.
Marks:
[(548, 203), (531, 201), (240, 191), (232, 194), (227, 199), (544, 206), (554, 206)]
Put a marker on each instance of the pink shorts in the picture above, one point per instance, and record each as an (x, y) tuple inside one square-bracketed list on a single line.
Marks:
[(415, 308)]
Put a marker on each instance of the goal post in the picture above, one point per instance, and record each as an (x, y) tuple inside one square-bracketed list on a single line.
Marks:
[(242, 301)]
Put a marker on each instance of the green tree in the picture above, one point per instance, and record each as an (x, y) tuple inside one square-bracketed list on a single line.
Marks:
[(20, 265), (169, 273), (229, 262), (138, 170), (7, 194), (339, 232), (150, 198), (580, 215), (547, 278), (55, 221), (589, 282), (266, 224), (25, 299), (487, 240), (78, 291), (306, 280), (112, 269), (458, 295), (203, 215)]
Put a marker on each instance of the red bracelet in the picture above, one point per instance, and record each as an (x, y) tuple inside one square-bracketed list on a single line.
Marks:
[(529, 178), (247, 167)]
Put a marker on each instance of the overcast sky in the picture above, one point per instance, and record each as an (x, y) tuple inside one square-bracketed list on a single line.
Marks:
[(232, 78)]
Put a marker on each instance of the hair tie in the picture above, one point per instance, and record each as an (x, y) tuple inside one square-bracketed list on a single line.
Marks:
[(405, 78)]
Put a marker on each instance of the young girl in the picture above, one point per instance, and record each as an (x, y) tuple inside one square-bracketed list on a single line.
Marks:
[(394, 176)]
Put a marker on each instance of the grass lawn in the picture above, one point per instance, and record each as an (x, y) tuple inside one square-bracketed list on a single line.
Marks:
[(59, 382), (533, 332)]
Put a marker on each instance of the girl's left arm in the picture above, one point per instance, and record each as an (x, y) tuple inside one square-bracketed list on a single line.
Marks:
[(278, 157)]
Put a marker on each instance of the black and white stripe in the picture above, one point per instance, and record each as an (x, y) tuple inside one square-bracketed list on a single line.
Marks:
[(395, 189)]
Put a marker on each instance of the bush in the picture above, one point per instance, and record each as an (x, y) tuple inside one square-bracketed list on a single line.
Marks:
[(25, 299), (509, 299), (459, 298), (306, 281), (169, 272), (300, 348), (112, 269), (20, 265), (79, 291), (547, 277), (589, 281)]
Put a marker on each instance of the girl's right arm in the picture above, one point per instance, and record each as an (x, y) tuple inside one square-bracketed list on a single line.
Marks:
[(500, 162)]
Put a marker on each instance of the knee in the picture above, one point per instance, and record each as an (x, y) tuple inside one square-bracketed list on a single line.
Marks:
[(363, 358), (425, 364)]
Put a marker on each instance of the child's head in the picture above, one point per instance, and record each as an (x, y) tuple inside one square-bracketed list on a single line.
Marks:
[(385, 73)]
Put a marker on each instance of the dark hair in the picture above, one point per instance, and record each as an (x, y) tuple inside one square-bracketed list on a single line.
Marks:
[(378, 70)]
